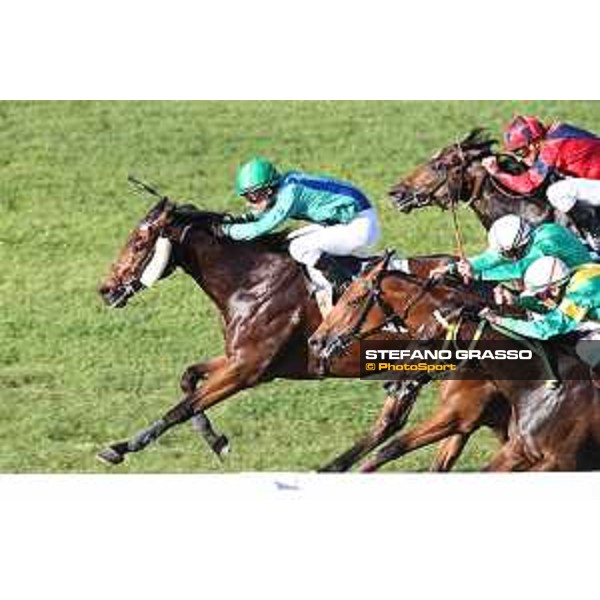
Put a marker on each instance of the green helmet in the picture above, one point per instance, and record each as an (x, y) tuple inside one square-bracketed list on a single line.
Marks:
[(254, 175)]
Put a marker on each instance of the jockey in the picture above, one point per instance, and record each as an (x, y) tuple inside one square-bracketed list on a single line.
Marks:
[(572, 298), (344, 221), (513, 246), (559, 149)]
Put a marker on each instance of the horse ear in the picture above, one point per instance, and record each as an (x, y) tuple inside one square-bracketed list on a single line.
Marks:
[(387, 257), (478, 141), (475, 137), (380, 265), (169, 208)]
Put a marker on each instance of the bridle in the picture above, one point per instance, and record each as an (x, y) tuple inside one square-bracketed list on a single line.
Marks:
[(455, 193), (422, 197), (127, 288), (124, 290), (374, 298)]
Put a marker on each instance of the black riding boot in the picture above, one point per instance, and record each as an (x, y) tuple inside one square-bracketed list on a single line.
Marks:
[(334, 273), (588, 223)]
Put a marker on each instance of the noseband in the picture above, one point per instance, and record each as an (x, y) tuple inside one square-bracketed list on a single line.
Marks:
[(135, 282)]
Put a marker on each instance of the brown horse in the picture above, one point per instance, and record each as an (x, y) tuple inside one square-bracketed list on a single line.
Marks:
[(468, 404), (267, 309), (547, 432), (455, 175)]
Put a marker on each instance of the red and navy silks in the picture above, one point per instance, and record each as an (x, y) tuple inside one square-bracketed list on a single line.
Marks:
[(565, 150)]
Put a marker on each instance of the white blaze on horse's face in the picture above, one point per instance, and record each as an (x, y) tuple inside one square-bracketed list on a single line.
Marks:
[(157, 265)]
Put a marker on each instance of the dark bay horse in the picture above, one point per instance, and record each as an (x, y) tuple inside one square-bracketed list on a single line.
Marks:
[(550, 428), (455, 176), (267, 310)]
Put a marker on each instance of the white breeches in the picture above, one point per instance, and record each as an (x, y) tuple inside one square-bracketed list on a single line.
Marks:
[(308, 243), (588, 345), (563, 195)]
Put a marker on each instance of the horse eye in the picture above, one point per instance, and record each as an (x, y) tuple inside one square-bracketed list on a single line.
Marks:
[(139, 244)]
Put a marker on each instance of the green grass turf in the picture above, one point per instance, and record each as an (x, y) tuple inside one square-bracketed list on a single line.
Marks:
[(74, 375)]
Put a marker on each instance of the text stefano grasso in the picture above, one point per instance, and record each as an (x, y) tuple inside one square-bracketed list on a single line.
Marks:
[(496, 354)]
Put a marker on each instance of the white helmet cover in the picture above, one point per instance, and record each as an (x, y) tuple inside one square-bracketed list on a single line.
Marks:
[(509, 232), (544, 272)]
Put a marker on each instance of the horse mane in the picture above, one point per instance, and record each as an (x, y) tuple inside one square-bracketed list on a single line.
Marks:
[(479, 143), (481, 289), (189, 215), (478, 140), (479, 294)]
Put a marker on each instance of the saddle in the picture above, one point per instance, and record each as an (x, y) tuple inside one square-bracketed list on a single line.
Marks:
[(354, 266)]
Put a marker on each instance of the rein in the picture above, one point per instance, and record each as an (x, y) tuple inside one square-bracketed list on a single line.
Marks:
[(454, 200), (510, 195), (454, 194)]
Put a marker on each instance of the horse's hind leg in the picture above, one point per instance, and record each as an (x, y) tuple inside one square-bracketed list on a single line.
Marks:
[(393, 416), (217, 442)]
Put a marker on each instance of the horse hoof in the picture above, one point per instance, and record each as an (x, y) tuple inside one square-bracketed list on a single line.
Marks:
[(222, 447), (333, 468), (111, 456)]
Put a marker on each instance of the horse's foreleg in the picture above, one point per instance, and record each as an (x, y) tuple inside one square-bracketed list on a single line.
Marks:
[(393, 416), (448, 452), (115, 453), (441, 425), (220, 384), (198, 371), (217, 442), (478, 403), (552, 463), (509, 458)]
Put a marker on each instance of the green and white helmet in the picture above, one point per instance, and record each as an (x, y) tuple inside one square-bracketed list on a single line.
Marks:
[(509, 233), (254, 175), (545, 272)]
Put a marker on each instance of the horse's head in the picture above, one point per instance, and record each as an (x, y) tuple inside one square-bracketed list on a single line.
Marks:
[(124, 279), (446, 177), (418, 308), (350, 317)]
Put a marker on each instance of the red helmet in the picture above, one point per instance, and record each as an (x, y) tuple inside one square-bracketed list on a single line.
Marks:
[(522, 131)]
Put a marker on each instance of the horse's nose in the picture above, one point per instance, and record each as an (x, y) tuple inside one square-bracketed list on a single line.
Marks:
[(398, 192), (104, 290)]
